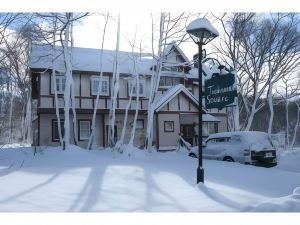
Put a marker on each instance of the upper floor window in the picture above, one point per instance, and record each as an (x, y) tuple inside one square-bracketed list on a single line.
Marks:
[(60, 81), (104, 87), (169, 81), (132, 86), (165, 81), (169, 68)]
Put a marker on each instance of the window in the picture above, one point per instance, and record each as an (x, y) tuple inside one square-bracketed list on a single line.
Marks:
[(55, 134), (213, 128), (168, 81), (222, 140), (162, 81), (84, 129), (236, 139), (104, 88), (166, 68), (169, 126), (176, 81), (169, 68), (132, 84), (205, 131), (60, 80), (139, 124), (209, 128), (210, 141)]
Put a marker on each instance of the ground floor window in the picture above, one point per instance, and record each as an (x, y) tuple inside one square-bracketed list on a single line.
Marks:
[(84, 129), (55, 134), (209, 128), (139, 124), (169, 126)]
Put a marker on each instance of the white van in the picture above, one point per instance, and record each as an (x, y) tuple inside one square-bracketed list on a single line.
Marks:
[(249, 147)]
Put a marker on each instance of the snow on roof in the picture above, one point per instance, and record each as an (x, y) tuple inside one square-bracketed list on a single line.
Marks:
[(202, 23), (170, 46), (87, 59), (162, 100), (249, 134), (208, 71)]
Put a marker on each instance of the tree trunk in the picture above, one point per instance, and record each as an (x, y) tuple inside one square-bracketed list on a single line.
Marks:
[(137, 88), (67, 92), (121, 141), (271, 108), (10, 115), (154, 82), (73, 101), (287, 127), (115, 90), (92, 136), (296, 126), (54, 84)]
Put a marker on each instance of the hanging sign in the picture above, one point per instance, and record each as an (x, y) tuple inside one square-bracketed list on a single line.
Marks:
[(220, 91)]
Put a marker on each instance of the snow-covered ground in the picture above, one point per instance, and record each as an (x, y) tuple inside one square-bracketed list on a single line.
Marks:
[(102, 181)]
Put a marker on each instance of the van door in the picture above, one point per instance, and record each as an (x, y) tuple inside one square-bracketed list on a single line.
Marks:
[(217, 146), (209, 149)]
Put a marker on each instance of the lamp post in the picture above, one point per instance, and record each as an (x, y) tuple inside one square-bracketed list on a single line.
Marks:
[(202, 32)]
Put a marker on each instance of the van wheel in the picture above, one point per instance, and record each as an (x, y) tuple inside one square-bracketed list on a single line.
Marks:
[(192, 155), (228, 159)]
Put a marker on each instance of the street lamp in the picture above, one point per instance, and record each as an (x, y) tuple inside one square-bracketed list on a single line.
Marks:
[(202, 32)]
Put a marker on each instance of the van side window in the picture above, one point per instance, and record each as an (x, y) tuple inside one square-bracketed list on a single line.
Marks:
[(236, 139), (210, 141), (222, 140)]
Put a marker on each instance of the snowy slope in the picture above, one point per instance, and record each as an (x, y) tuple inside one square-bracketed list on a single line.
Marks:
[(103, 181)]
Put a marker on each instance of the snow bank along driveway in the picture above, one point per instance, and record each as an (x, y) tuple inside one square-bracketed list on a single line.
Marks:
[(80, 180)]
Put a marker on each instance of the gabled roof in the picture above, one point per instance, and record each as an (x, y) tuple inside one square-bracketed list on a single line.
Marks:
[(161, 101), (172, 45), (88, 59)]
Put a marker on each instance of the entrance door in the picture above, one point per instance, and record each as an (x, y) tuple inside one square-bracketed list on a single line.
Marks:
[(115, 134), (187, 131)]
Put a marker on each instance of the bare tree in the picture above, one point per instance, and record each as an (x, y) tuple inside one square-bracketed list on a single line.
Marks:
[(92, 136), (171, 28), (60, 29), (15, 52), (262, 50), (114, 91), (288, 90)]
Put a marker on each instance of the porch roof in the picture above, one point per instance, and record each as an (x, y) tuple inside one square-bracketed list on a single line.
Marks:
[(162, 100)]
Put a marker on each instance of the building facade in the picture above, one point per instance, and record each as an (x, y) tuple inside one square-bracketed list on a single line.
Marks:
[(176, 101)]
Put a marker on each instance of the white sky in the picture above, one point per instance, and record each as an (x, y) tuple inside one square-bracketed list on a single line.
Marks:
[(136, 14), (89, 32)]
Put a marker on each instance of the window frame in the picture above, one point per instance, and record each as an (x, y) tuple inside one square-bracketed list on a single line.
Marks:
[(169, 130), (104, 79), (60, 77), (53, 130), (133, 82), (80, 138)]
